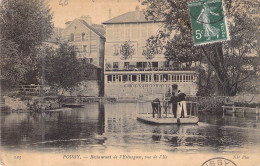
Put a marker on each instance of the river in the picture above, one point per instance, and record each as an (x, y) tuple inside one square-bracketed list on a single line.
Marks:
[(102, 127)]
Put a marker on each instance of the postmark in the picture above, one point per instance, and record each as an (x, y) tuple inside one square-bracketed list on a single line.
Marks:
[(220, 161), (208, 22)]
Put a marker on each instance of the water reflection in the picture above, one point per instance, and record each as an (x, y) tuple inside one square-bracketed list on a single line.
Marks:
[(100, 127)]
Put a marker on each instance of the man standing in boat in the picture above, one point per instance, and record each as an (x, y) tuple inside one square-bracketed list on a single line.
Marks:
[(181, 108), (174, 100)]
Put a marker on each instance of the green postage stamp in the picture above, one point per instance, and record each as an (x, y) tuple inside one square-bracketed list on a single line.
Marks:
[(208, 22)]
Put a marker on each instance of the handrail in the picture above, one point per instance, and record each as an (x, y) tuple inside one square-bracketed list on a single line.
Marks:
[(192, 109)]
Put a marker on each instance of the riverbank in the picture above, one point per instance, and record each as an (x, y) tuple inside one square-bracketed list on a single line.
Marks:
[(106, 126), (21, 103)]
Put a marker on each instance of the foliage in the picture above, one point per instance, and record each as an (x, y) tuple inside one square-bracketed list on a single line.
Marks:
[(204, 81), (60, 67), (154, 45), (211, 103), (127, 50), (11, 66), (25, 24), (178, 45)]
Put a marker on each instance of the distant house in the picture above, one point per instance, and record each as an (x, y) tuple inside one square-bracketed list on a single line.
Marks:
[(88, 39)]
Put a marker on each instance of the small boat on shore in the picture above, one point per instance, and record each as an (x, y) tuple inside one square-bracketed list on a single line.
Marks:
[(59, 110), (73, 105), (148, 118)]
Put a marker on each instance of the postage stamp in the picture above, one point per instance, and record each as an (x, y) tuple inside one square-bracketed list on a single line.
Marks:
[(208, 21)]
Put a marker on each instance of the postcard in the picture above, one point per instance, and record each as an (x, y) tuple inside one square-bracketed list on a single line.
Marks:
[(129, 82)]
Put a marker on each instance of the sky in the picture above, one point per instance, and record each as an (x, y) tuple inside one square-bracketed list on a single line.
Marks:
[(97, 9)]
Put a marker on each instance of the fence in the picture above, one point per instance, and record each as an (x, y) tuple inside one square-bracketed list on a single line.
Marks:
[(164, 109)]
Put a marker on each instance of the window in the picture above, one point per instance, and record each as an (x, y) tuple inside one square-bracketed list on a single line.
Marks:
[(165, 77), (84, 48), (72, 37), (125, 78), (139, 64), (83, 36), (157, 77), (115, 65), (148, 78), (90, 60), (145, 64), (116, 50), (142, 78), (126, 65), (134, 78), (155, 64), (109, 78)]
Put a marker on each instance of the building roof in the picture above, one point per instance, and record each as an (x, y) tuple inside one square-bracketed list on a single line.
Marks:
[(68, 22), (137, 16), (92, 66), (98, 29)]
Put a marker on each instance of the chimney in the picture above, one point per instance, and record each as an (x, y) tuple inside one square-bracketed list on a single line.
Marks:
[(87, 19), (137, 12), (109, 17)]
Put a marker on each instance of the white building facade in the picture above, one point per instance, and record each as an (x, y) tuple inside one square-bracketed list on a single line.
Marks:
[(137, 76)]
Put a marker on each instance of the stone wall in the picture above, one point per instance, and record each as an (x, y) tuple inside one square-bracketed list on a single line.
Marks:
[(15, 103), (147, 90), (86, 88), (32, 103)]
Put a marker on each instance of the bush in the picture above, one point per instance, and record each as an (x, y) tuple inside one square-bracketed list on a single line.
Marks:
[(210, 103)]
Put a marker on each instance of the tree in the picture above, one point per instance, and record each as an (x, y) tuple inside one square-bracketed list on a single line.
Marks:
[(25, 24), (60, 67), (12, 70), (181, 49)]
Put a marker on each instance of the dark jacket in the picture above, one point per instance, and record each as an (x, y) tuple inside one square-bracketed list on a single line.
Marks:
[(174, 100), (181, 96)]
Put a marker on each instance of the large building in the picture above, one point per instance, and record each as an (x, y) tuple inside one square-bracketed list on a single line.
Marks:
[(88, 39), (135, 75)]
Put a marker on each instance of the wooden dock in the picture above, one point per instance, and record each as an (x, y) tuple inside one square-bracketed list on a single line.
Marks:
[(235, 109)]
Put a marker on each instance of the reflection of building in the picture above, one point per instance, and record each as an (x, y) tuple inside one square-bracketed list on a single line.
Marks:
[(88, 39), (136, 75)]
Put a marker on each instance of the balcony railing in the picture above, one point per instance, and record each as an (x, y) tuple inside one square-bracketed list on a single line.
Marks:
[(150, 69)]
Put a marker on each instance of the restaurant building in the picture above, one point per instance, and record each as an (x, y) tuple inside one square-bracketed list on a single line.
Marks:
[(135, 75)]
